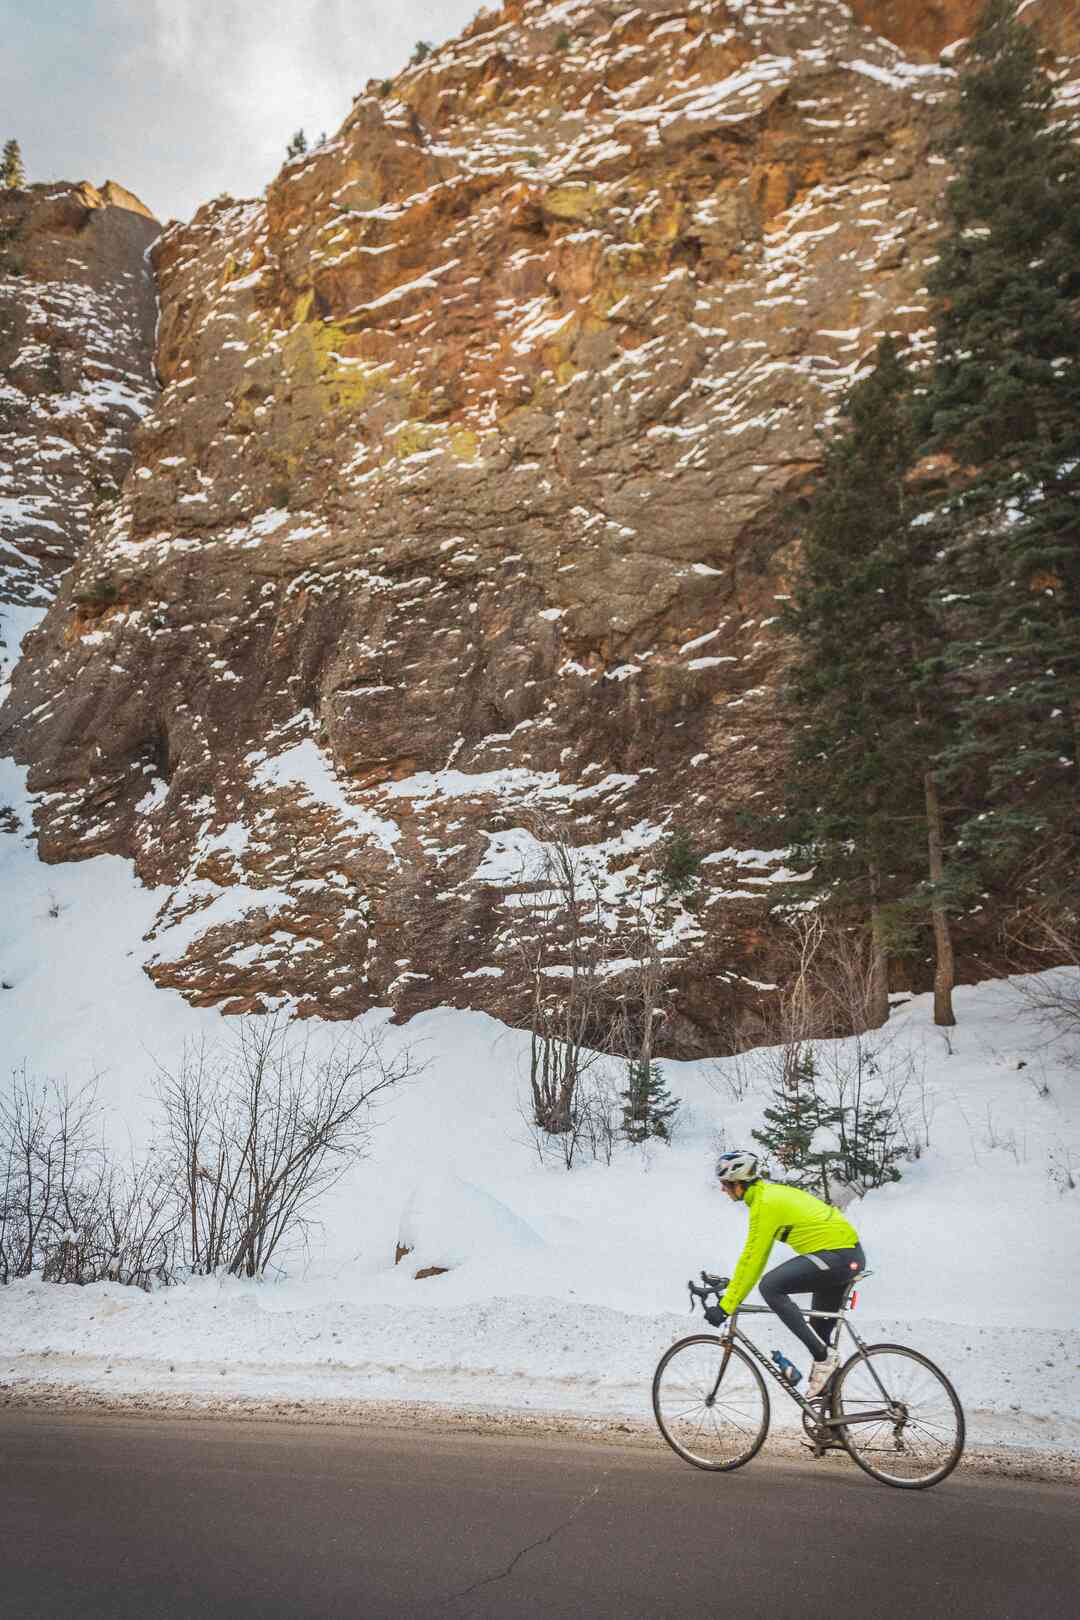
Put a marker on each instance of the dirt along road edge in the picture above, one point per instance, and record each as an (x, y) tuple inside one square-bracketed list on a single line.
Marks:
[(1040, 1465)]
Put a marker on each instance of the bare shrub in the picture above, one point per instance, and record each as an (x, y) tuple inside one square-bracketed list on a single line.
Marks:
[(67, 1213), (995, 1138), (732, 1078), (257, 1133), (135, 1238), (601, 1118), (1052, 937), (1062, 1170), (251, 1138), (594, 1129), (51, 1168)]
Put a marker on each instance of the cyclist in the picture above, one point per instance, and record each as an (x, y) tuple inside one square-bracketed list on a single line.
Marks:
[(828, 1255)]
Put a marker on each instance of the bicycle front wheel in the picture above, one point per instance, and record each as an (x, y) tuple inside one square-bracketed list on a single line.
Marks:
[(711, 1403), (906, 1424)]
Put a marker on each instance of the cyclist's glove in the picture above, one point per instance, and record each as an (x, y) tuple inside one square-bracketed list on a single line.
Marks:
[(715, 1315)]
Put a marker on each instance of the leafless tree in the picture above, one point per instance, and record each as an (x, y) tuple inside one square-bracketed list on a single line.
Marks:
[(67, 1210), (594, 1129), (51, 1166), (640, 1012), (591, 974), (1052, 936), (559, 946), (847, 980), (257, 1134), (252, 1137), (136, 1237)]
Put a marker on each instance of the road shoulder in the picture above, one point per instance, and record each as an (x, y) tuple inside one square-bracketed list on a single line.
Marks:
[(1004, 1462)]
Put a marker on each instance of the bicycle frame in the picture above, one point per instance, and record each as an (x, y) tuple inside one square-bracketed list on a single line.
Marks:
[(818, 1417)]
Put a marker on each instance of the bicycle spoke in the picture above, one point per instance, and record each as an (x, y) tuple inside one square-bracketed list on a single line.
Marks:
[(714, 1423), (744, 1428), (922, 1438)]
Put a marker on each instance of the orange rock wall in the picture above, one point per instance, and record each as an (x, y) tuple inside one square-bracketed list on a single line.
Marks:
[(469, 503)]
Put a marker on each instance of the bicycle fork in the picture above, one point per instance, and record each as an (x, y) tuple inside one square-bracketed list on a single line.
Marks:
[(710, 1399)]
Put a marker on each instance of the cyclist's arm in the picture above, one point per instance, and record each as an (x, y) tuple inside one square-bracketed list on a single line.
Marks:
[(759, 1241)]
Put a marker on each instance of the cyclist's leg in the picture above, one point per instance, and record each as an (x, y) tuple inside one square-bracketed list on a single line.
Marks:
[(825, 1276), (829, 1298), (798, 1276), (829, 1295)]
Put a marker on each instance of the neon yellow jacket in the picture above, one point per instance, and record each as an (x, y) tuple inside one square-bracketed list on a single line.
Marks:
[(795, 1217)]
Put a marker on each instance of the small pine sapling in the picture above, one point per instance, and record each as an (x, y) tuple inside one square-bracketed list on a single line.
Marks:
[(872, 1144), (798, 1125), (297, 146), (679, 866), (12, 172), (648, 1105)]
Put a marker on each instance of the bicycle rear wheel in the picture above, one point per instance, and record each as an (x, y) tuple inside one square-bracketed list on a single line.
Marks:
[(919, 1437), (712, 1421)]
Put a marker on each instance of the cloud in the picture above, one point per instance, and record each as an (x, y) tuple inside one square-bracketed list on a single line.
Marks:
[(183, 99)]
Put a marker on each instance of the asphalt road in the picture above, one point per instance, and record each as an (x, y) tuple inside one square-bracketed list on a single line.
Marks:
[(132, 1517)]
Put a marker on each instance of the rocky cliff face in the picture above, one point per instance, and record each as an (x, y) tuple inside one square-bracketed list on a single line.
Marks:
[(77, 312), (468, 504), (925, 28)]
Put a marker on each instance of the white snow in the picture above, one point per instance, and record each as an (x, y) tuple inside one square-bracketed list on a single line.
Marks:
[(306, 767)]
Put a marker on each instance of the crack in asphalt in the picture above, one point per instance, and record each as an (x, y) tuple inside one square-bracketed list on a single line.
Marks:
[(541, 1541)]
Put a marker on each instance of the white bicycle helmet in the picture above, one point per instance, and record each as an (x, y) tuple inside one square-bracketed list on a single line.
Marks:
[(737, 1166)]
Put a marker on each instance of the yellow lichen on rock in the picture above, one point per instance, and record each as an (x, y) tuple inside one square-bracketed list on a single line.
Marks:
[(573, 201), (465, 445), (316, 357)]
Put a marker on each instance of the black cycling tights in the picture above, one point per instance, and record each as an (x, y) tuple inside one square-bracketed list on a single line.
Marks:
[(825, 1275)]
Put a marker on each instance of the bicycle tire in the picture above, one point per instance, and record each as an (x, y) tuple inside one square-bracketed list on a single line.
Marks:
[(918, 1449), (717, 1437)]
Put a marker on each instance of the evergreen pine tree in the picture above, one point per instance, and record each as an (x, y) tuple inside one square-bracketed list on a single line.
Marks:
[(679, 864), (796, 1121), (825, 1131), (1004, 403), (863, 797), (297, 146), (647, 1102), (12, 172)]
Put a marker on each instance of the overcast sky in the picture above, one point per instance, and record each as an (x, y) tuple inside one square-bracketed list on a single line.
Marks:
[(180, 100)]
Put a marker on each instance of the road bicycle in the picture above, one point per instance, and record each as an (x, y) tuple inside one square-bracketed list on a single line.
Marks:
[(889, 1407)]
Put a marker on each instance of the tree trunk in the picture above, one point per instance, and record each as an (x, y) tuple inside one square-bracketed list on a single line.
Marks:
[(878, 1001), (944, 968)]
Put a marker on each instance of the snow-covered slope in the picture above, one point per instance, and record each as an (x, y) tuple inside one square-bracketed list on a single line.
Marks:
[(562, 1288)]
